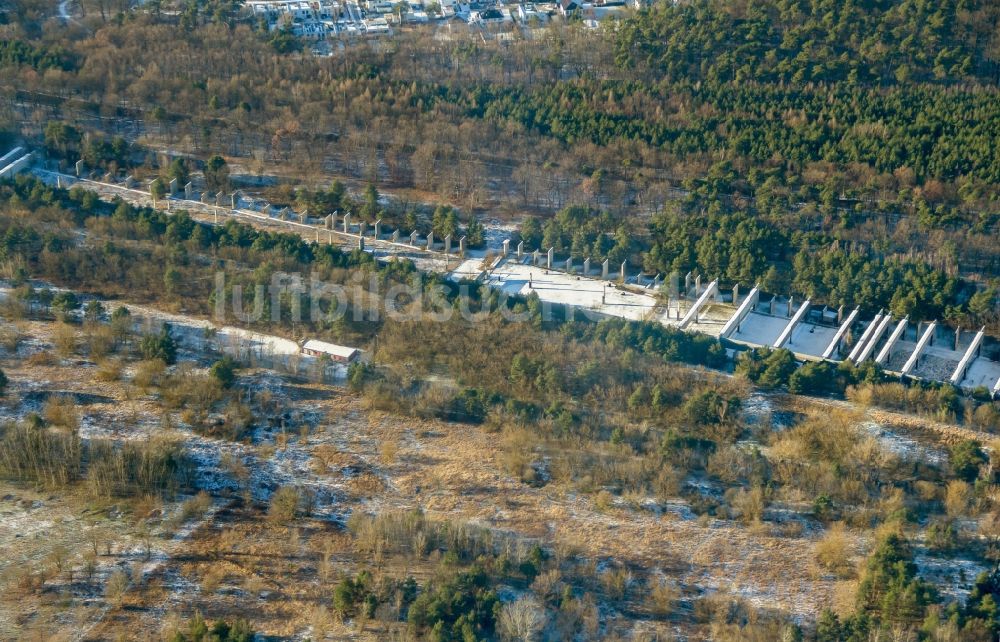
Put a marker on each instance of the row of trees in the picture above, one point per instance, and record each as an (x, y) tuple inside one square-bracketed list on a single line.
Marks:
[(443, 220)]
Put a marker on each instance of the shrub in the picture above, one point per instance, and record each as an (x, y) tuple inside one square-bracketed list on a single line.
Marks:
[(662, 598), (965, 458), (61, 411), (735, 464), (108, 370), (159, 346), (100, 341), (833, 552), (957, 498), (747, 505), (64, 339), (709, 407), (823, 508), (10, 337), (941, 536), (196, 506), (460, 607), (284, 504), (224, 371), (149, 373), (116, 586), (198, 630)]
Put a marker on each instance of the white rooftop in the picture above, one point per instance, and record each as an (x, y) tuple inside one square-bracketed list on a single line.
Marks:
[(329, 348)]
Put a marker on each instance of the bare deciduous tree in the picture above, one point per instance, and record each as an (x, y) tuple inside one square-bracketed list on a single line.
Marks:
[(521, 620)]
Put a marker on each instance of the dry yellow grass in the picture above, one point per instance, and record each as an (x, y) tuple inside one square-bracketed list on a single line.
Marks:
[(834, 551), (464, 473)]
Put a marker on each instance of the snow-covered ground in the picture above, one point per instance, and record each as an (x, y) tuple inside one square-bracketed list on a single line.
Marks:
[(600, 297), (200, 335), (903, 446), (636, 299), (953, 577), (760, 329), (470, 268)]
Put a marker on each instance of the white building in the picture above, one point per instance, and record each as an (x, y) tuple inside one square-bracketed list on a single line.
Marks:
[(528, 13), (336, 353)]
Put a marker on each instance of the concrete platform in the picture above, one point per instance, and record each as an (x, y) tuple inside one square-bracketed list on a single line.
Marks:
[(468, 269), (811, 339), (759, 329), (982, 372), (570, 289), (711, 318)]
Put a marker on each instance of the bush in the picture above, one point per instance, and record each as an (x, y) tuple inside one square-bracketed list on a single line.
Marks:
[(224, 371), (284, 505), (108, 370), (61, 411), (747, 505), (521, 619), (460, 607), (64, 339), (159, 346), (833, 552), (709, 407), (198, 630), (965, 458), (766, 367), (957, 498), (941, 536), (149, 373), (823, 508), (11, 337), (116, 586), (735, 464), (662, 598), (196, 506), (470, 406)]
